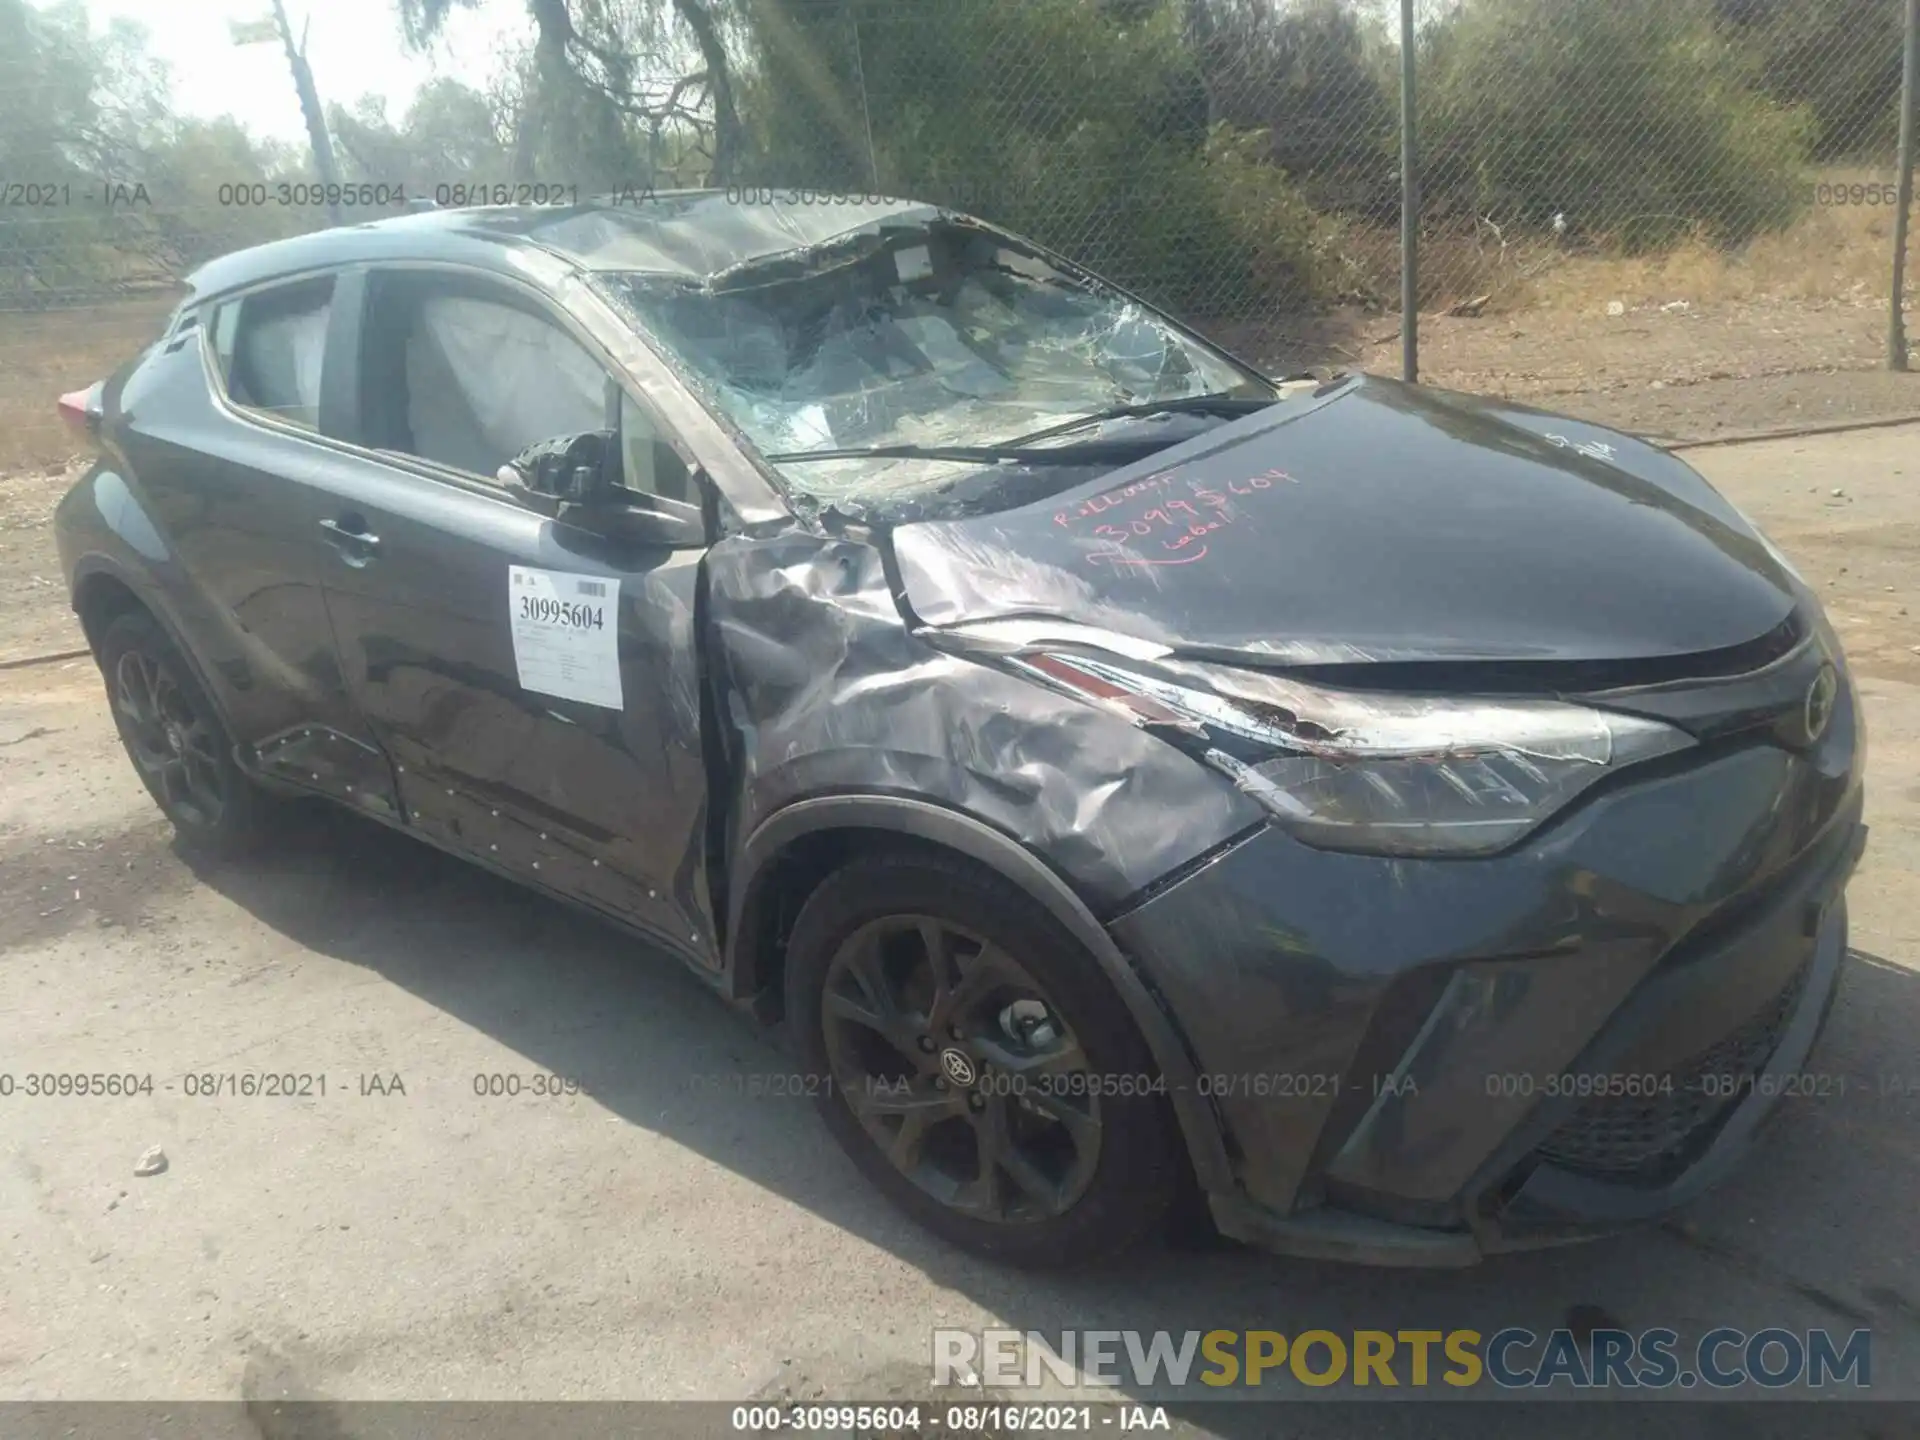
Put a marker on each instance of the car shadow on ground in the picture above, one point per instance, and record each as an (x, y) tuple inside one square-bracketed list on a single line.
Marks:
[(1802, 1236)]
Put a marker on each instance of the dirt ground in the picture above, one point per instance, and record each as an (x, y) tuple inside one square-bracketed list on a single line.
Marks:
[(1670, 370), (664, 1233), (42, 356), (1674, 375), (34, 616)]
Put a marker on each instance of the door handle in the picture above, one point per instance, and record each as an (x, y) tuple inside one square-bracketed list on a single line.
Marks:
[(355, 543)]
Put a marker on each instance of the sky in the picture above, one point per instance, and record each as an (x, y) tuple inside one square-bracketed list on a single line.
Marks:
[(354, 47)]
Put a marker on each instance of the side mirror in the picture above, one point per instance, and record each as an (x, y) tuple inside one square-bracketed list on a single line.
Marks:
[(566, 470), (577, 478), (653, 526)]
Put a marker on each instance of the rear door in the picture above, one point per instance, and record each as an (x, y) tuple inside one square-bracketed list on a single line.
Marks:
[(225, 434), (536, 683)]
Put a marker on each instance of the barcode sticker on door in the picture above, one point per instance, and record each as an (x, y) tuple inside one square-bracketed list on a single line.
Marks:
[(566, 634)]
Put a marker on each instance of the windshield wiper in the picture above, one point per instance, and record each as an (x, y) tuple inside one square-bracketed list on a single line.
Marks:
[(1008, 454), (1219, 403), (1021, 450)]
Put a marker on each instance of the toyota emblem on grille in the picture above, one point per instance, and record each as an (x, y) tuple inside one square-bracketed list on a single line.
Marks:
[(1820, 697), (958, 1067)]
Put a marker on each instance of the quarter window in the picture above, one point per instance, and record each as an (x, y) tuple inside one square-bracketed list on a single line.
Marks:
[(648, 464), (269, 347)]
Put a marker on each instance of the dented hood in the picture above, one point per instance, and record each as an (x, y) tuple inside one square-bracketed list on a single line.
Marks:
[(1374, 521)]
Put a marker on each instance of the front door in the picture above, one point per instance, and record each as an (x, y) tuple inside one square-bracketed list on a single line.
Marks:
[(536, 683)]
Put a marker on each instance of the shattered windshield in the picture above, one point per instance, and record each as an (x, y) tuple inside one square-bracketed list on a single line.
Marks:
[(936, 334)]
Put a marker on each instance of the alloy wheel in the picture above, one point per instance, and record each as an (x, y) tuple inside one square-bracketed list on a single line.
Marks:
[(176, 749), (960, 1069)]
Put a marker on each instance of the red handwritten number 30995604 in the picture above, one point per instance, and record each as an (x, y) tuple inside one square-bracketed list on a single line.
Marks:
[(1179, 526)]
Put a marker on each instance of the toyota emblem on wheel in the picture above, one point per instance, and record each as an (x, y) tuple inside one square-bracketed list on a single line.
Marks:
[(958, 1066)]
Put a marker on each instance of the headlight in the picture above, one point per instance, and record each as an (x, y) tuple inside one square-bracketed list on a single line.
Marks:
[(1383, 773)]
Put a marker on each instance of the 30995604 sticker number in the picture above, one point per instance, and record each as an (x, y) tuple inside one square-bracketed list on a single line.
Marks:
[(566, 634), (562, 612)]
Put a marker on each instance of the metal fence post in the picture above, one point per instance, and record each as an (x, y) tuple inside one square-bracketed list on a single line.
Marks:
[(866, 104), (1909, 103), (1410, 204)]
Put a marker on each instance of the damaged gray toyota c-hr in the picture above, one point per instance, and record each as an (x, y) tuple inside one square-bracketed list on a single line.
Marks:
[(1416, 825)]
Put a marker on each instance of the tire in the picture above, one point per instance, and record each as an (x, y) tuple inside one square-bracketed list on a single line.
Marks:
[(1058, 1199), (175, 738)]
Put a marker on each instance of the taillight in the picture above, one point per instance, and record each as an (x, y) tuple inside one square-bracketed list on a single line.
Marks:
[(82, 409)]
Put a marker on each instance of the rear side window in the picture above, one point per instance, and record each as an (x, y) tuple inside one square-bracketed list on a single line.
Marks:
[(268, 348)]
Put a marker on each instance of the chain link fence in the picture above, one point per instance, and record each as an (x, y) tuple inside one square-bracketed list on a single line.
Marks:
[(1617, 196)]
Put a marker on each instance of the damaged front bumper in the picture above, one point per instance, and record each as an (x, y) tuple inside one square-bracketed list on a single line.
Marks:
[(1422, 1062)]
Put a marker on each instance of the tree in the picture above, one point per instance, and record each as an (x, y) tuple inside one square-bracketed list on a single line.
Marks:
[(1318, 77), (124, 193), (609, 79), (188, 171), (1634, 118), (1080, 122), (451, 132), (53, 133), (1839, 58)]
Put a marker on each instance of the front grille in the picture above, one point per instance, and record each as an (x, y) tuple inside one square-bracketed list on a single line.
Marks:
[(1648, 1139)]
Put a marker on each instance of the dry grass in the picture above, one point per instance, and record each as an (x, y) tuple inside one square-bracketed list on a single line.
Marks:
[(1833, 254), (46, 353)]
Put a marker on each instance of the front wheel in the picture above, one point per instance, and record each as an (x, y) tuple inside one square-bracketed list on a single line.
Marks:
[(976, 1064)]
